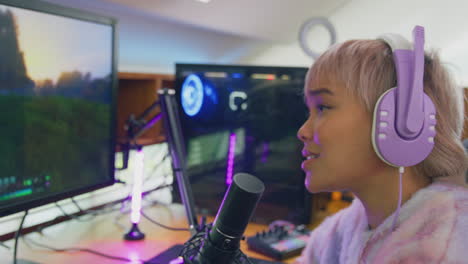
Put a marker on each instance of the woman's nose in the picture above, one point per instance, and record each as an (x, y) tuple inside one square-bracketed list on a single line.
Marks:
[(305, 132)]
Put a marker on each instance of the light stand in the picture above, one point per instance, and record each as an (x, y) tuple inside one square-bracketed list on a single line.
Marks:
[(135, 128), (135, 233)]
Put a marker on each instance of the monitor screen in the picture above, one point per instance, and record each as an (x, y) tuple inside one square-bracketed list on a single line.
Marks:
[(57, 77), (244, 119)]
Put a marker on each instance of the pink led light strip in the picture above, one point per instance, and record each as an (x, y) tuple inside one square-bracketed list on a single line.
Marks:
[(137, 186), (231, 155)]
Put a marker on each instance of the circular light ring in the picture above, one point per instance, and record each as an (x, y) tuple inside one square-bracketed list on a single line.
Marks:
[(305, 29), (192, 95)]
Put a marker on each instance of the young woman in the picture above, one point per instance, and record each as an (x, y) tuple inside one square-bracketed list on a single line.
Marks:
[(342, 88)]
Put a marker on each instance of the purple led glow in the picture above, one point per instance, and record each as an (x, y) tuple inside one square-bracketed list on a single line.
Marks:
[(265, 152), (137, 186), (134, 257), (178, 260), (231, 155)]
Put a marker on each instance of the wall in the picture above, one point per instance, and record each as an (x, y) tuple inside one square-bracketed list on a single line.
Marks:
[(445, 23), (152, 44)]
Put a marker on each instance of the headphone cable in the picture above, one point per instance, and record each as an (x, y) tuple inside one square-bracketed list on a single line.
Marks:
[(397, 213)]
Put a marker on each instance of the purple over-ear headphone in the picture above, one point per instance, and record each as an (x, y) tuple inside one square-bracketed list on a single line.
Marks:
[(403, 130)]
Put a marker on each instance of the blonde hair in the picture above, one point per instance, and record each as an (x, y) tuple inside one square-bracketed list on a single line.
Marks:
[(366, 69)]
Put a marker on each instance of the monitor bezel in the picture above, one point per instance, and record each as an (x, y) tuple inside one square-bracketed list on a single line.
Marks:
[(67, 12)]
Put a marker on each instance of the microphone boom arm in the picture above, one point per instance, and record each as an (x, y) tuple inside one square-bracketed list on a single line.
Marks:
[(175, 144)]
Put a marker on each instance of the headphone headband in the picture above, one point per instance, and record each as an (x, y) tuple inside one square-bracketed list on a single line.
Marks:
[(396, 42), (409, 63)]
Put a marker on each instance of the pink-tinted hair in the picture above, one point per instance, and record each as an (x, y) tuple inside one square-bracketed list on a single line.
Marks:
[(366, 69)]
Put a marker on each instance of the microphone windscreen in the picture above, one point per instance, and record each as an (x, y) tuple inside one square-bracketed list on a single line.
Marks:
[(239, 204)]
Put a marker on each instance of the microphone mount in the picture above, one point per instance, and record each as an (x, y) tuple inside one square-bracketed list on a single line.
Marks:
[(135, 127), (191, 251)]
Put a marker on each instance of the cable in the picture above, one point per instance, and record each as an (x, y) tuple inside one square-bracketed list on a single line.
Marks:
[(161, 225), (397, 213), (117, 223), (105, 210), (159, 163), (75, 249), (71, 216), (146, 194), (90, 212), (76, 204), (5, 246), (18, 232), (95, 212)]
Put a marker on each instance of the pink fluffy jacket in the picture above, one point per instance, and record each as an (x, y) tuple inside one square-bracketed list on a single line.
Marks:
[(432, 228)]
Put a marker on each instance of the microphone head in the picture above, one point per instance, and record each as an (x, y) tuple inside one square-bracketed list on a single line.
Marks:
[(238, 205), (221, 243)]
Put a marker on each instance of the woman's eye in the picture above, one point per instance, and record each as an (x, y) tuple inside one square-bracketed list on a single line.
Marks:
[(321, 108)]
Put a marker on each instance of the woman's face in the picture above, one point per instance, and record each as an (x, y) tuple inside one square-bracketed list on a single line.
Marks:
[(337, 139)]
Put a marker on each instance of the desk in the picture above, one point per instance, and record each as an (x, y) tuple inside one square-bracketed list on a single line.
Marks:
[(105, 234)]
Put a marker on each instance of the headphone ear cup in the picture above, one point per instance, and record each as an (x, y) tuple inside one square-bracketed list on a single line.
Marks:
[(389, 145)]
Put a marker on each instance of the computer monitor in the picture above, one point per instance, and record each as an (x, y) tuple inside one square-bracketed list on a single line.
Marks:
[(57, 87), (244, 119)]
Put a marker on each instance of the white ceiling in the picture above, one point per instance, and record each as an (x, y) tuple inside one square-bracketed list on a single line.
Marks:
[(272, 20)]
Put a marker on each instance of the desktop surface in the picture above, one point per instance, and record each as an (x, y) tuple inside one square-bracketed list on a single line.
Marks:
[(105, 234), (174, 251)]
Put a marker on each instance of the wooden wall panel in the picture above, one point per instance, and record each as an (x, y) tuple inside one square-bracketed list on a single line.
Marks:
[(136, 92)]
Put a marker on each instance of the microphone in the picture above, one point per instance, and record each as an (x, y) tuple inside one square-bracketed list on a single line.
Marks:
[(220, 242)]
